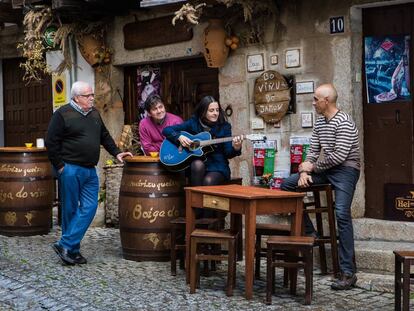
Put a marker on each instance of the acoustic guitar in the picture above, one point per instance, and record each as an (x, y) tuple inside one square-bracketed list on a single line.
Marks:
[(177, 158)]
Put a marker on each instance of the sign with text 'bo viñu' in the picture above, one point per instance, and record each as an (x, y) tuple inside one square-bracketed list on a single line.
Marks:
[(271, 96)]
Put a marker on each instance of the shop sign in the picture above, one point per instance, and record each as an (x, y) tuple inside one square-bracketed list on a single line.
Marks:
[(49, 36), (271, 96), (155, 32), (399, 202)]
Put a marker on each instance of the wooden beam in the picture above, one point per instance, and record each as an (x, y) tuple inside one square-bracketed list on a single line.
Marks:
[(10, 15), (18, 4)]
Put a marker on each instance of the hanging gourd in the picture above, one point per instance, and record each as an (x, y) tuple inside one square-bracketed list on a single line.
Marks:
[(215, 49)]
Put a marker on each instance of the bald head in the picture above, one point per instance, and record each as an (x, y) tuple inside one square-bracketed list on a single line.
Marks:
[(327, 91)]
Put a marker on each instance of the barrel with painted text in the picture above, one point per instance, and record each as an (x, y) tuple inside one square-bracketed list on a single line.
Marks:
[(149, 198), (26, 191)]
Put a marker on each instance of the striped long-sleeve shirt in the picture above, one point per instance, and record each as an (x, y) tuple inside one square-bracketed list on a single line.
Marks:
[(334, 142)]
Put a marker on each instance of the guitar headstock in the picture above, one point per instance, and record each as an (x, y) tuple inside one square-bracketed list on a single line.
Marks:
[(255, 137)]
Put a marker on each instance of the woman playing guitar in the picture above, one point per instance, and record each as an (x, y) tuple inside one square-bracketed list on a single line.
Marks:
[(208, 117)]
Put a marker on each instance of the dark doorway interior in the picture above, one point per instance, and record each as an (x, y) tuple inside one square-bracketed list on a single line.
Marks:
[(388, 125), (183, 84), (27, 107)]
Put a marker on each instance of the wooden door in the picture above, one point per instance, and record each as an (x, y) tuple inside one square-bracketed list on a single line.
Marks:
[(388, 126), (27, 107), (183, 84)]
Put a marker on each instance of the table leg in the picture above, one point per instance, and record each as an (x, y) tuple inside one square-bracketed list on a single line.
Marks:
[(250, 230), (236, 225), (296, 226), (189, 227)]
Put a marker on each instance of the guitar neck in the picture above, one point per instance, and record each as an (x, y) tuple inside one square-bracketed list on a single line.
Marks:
[(215, 141)]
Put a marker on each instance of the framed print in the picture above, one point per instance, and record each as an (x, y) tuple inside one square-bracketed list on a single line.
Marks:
[(274, 60), (292, 58), (387, 68), (306, 119), (148, 82), (304, 87), (255, 63)]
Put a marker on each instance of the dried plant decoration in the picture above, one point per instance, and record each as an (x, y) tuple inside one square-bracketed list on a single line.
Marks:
[(35, 22), (236, 14), (190, 12), (33, 49)]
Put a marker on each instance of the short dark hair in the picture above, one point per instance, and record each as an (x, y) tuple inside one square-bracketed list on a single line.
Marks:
[(151, 101)]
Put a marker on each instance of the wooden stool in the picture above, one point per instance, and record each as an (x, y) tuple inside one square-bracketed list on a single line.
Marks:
[(267, 230), (177, 237), (292, 245), (404, 259), (202, 236), (316, 208)]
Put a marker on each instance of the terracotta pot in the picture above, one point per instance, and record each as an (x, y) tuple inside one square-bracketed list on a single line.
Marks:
[(215, 49), (89, 46)]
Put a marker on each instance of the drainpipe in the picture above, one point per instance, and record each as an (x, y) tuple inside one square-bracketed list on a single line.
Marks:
[(74, 55)]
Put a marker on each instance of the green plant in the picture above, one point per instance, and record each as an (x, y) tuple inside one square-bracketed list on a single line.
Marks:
[(102, 196)]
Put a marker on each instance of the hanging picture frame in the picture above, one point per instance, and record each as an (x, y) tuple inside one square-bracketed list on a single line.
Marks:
[(255, 63), (292, 58), (306, 119), (148, 83), (387, 68), (304, 87)]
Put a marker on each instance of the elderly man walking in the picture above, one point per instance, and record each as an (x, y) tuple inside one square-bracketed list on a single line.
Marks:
[(333, 158), (73, 141)]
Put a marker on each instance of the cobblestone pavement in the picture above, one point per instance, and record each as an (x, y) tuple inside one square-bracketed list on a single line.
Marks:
[(33, 278)]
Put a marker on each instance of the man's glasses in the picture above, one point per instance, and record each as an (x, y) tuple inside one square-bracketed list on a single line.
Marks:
[(87, 95)]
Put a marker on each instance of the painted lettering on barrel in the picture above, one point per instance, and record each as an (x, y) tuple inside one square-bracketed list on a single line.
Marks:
[(152, 215), (148, 184), (7, 168), (22, 194)]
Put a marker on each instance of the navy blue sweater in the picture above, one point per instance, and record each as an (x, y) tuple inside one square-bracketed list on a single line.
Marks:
[(217, 161), (76, 139)]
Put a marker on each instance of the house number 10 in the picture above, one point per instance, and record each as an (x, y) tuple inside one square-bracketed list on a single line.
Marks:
[(336, 24)]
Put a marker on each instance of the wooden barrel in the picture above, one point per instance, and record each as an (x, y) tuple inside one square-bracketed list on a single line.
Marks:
[(149, 198), (26, 191)]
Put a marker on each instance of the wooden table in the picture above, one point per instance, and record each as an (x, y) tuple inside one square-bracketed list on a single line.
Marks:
[(242, 200)]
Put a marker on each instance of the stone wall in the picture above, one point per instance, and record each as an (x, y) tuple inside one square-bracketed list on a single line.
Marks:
[(113, 175), (324, 58)]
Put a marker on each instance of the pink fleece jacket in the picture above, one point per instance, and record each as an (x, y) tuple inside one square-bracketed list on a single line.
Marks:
[(151, 133)]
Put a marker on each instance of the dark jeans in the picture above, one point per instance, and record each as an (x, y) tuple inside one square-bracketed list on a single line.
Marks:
[(343, 179)]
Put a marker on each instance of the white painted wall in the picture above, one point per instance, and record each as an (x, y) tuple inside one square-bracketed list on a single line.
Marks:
[(81, 71), (84, 71)]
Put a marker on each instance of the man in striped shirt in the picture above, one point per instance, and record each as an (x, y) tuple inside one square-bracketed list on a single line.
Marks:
[(333, 158)]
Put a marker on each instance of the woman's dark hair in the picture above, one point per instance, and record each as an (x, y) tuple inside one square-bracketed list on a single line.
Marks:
[(202, 107), (151, 101)]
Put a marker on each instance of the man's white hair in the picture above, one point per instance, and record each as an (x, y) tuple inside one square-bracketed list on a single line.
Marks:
[(78, 87)]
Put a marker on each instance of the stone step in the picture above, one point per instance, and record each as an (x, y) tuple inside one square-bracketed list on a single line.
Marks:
[(378, 255), (383, 230), (373, 256), (375, 263)]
